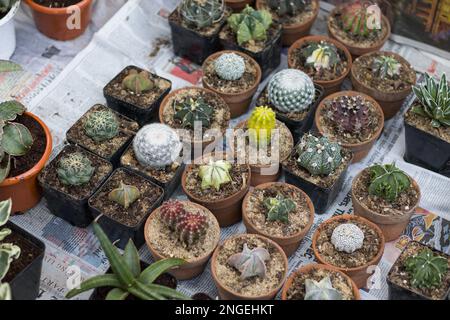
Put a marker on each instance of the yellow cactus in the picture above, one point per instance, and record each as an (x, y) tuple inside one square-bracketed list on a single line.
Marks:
[(261, 123)]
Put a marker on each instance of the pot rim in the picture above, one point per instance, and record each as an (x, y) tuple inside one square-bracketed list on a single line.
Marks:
[(56, 11), (11, 14)]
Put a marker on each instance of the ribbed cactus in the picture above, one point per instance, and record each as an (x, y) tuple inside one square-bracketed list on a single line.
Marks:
[(321, 290), (171, 212), (278, 208), (347, 237), (261, 123), (75, 169), (426, 269), (359, 21), (350, 114), (202, 13), (318, 155), (157, 146), (387, 181), (229, 66), (288, 7), (101, 125), (190, 110), (321, 55), (386, 67), (250, 263), (138, 82), (215, 174), (250, 25), (291, 90), (125, 195)]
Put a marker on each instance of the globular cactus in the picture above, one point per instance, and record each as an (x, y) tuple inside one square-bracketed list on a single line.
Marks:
[(250, 263), (426, 269), (288, 7), (190, 110), (171, 212), (359, 21), (387, 181), (321, 290), (157, 146), (101, 125), (386, 67), (347, 237), (291, 90), (318, 155), (261, 123), (350, 114), (125, 195), (138, 82), (201, 14), (215, 174), (75, 169), (250, 25), (278, 208), (321, 55), (229, 66)]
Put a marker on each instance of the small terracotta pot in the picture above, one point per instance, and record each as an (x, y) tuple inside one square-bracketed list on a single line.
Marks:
[(390, 102), (288, 244), (360, 150), (238, 5), (53, 22), (330, 86), (24, 190), (238, 102), (307, 268), (392, 226), (228, 210), (359, 274), (191, 268), (227, 294)]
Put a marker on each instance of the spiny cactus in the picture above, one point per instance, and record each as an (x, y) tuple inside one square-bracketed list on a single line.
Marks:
[(350, 114), (322, 290), (261, 123), (321, 55), (250, 263), (318, 155), (250, 25), (279, 208), (229, 66), (347, 237), (138, 82), (387, 181), (75, 169), (359, 21), (215, 174), (15, 138), (386, 67), (288, 7), (291, 90), (125, 195), (201, 14), (101, 125), (426, 269), (171, 212), (434, 101), (157, 146), (189, 110)]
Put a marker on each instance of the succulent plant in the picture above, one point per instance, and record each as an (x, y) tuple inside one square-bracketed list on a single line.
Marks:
[(321, 55), (157, 146), (15, 138), (347, 237), (350, 114), (138, 82), (189, 110), (288, 7), (359, 21), (101, 125), (229, 66), (426, 269), (128, 278), (171, 212), (386, 67), (250, 25), (318, 155), (6, 5), (125, 195), (202, 13), (322, 290), (261, 123), (434, 101), (291, 90), (75, 169), (387, 181), (278, 208), (250, 263), (215, 174)]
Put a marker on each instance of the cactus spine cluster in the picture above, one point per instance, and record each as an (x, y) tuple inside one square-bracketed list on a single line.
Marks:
[(101, 125), (125, 195), (250, 25), (189, 110), (278, 208), (75, 169), (138, 82), (386, 67), (359, 21), (288, 7), (350, 114), (347, 237), (387, 181), (321, 55), (215, 174), (229, 66), (250, 263), (426, 269), (261, 123), (322, 290), (201, 14)]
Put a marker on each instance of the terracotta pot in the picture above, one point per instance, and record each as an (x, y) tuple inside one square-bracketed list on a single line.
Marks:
[(390, 102), (238, 102), (288, 244), (228, 210), (238, 5), (392, 226), (24, 190), (358, 274), (191, 268), (360, 150), (53, 22), (330, 86), (307, 268), (227, 294)]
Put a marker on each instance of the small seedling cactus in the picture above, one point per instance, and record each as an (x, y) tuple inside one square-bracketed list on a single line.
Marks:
[(278, 208), (360, 20), (190, 110), (201, 14), (291, 90), (75, 169), (386, 67), (229, 66), (322, 290), (387, 181), (285, 8), (215, 174), (101, 125), (347, 237), (318, 155), (261, 123), (321, 55), (250, 263), (125, 195), (250, 25), (157, 146), (426, 269), (138, 82), (350, 114)]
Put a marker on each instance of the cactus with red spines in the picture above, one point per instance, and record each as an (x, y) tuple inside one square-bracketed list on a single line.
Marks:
[(349, 113), (191, 227), (171, 212)]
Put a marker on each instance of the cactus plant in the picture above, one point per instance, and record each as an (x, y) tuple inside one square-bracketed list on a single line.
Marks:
[(278, 208), (288, 7), (229, 66), (214, 174), (358, 21), (125, 195), (318, 155), (138, 82), (386, 67), (171, 212), (201, 14), (321, 55), (322, 290), (387, 181), (75, 169), (434, 101), (426, 269), (291, 90), (250, 263), (157, 146), (261, 123), (250, 25), (101, 125), (127, 277), (189, 110), (347, 237), (349, 114)]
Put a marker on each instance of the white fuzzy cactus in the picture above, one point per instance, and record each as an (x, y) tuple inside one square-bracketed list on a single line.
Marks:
[(347, 237), (291, 90), (229, 66), (157, 145)]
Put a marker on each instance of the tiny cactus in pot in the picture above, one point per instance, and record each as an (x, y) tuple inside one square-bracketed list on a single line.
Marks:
[(101, 125), (321, 290), (350, 114), (250, 263), (215, 174), (190, 110), (138, 82), (386, 67), (201, 14), (278, 208), (387, 181), (347, 237), (261, 123), (229, 66), (288, 7), (321, 55), (125, 195), (359, 21), (75, 169), (426, 269), (171, 212)]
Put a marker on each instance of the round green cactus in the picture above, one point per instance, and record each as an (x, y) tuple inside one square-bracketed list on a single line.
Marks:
[(75, 169), (202, 13), (101, 125), (229, 66)]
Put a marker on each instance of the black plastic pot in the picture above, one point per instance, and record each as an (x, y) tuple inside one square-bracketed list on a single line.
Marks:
[(141, 114)]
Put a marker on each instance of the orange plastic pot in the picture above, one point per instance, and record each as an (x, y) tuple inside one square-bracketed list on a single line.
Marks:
[(61, 23), (24, 190)]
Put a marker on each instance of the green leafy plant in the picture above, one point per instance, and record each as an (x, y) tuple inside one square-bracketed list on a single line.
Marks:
[(202, 13), (190, 110), (278, 208), (250, 25), (285, 8), (250, 263), (387, 181), (75, 169), (214, 174), (321, 55), (125, 195), (101, 125), (321, 290), (138, 82), (386, 67), (426, 269)]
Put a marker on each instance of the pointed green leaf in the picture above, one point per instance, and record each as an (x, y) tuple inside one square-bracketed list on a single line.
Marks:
[(17, 139), (9, 66), (117, 294), (106, 280), (5, 211), (152, 272), (9, 110), (131, 256)]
